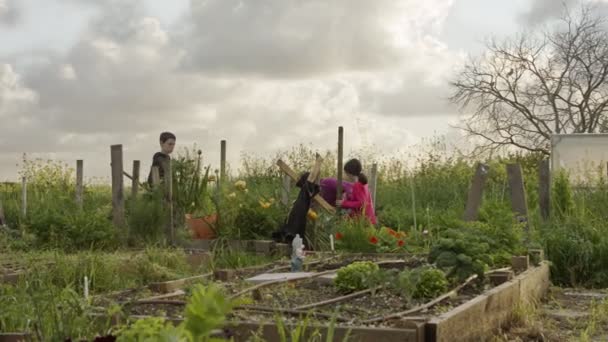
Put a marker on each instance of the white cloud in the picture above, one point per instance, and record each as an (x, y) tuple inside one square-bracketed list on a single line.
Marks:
[(9, 12), (264, 77)]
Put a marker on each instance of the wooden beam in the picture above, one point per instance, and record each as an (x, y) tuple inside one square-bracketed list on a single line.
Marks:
[(79, 182), (135, 179), (118, 198), (340, 161), (476, 193), (285, 189), (24, 196), (2, 218), (519, 204), (223, 160), (373, 183), (313, 177), (155, 176), (294, 176)]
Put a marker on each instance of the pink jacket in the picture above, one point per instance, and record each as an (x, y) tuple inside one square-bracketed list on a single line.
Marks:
[(360, 201)]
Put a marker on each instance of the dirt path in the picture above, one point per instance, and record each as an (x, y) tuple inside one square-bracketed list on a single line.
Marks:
[(565, 315)]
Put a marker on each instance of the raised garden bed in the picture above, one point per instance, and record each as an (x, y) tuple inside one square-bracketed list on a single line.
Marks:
[(472, 311)]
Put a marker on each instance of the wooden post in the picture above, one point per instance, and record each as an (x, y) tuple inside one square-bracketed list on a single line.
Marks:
[(118, 199), (413, 186), (223, 160), (79, 182), (340, 163), (168, 192), (475, 197), (155, 177), (24, 197), (135, 179), (373, 183), (518, 194), (285, 190), (544, 191), (2, 217)]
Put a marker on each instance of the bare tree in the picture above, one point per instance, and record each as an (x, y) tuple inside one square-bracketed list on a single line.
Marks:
[(525, 89)]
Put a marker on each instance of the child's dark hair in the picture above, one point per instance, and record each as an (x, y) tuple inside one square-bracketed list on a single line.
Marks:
[(354, 167), (164, 136)]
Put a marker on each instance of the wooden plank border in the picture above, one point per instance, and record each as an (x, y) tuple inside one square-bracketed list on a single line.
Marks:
[(478, 318)]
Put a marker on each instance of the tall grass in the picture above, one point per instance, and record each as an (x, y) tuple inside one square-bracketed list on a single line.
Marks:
[(429, 188)]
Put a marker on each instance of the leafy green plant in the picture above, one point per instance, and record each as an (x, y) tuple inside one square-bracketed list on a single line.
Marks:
[(205, 312), (461, 254), (146, 329), (431, 283), (356, 276)]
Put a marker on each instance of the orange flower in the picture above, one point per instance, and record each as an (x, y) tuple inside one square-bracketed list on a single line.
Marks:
[(338, 236), (400, 243), (373, 240)]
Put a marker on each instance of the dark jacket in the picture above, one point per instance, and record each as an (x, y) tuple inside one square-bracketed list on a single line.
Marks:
[(158, 160)]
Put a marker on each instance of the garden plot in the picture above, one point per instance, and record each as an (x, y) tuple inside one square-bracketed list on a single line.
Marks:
[(395, 316)]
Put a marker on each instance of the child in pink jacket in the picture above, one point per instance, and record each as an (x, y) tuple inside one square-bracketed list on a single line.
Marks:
[(359, 201)]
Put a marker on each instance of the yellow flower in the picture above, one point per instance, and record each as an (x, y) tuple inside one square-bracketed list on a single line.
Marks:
[(312, 215), (240, 185), (265, 205)]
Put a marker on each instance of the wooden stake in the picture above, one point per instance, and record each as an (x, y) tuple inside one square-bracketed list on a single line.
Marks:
[(155, 176), (373, 183), (79, 182), (544, 191), (118, 198), (475, 197), (340, 163), (223, 160), (285, 190), (135, 179), (24, 197), (2, 217), (168, 180)]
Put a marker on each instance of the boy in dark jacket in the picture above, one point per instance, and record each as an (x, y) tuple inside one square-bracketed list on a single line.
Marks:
[(167, 144)]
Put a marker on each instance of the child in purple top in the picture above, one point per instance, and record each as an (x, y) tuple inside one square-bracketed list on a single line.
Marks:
[(329, 191)]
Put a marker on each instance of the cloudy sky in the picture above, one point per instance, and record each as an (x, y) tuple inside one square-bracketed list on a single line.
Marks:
[(77, 76)]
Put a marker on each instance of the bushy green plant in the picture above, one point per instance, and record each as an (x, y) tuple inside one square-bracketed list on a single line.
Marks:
[(461, 254), (356, 276), (431, 283)]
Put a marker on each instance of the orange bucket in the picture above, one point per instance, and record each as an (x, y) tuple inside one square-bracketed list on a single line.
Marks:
[(202, 228)]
